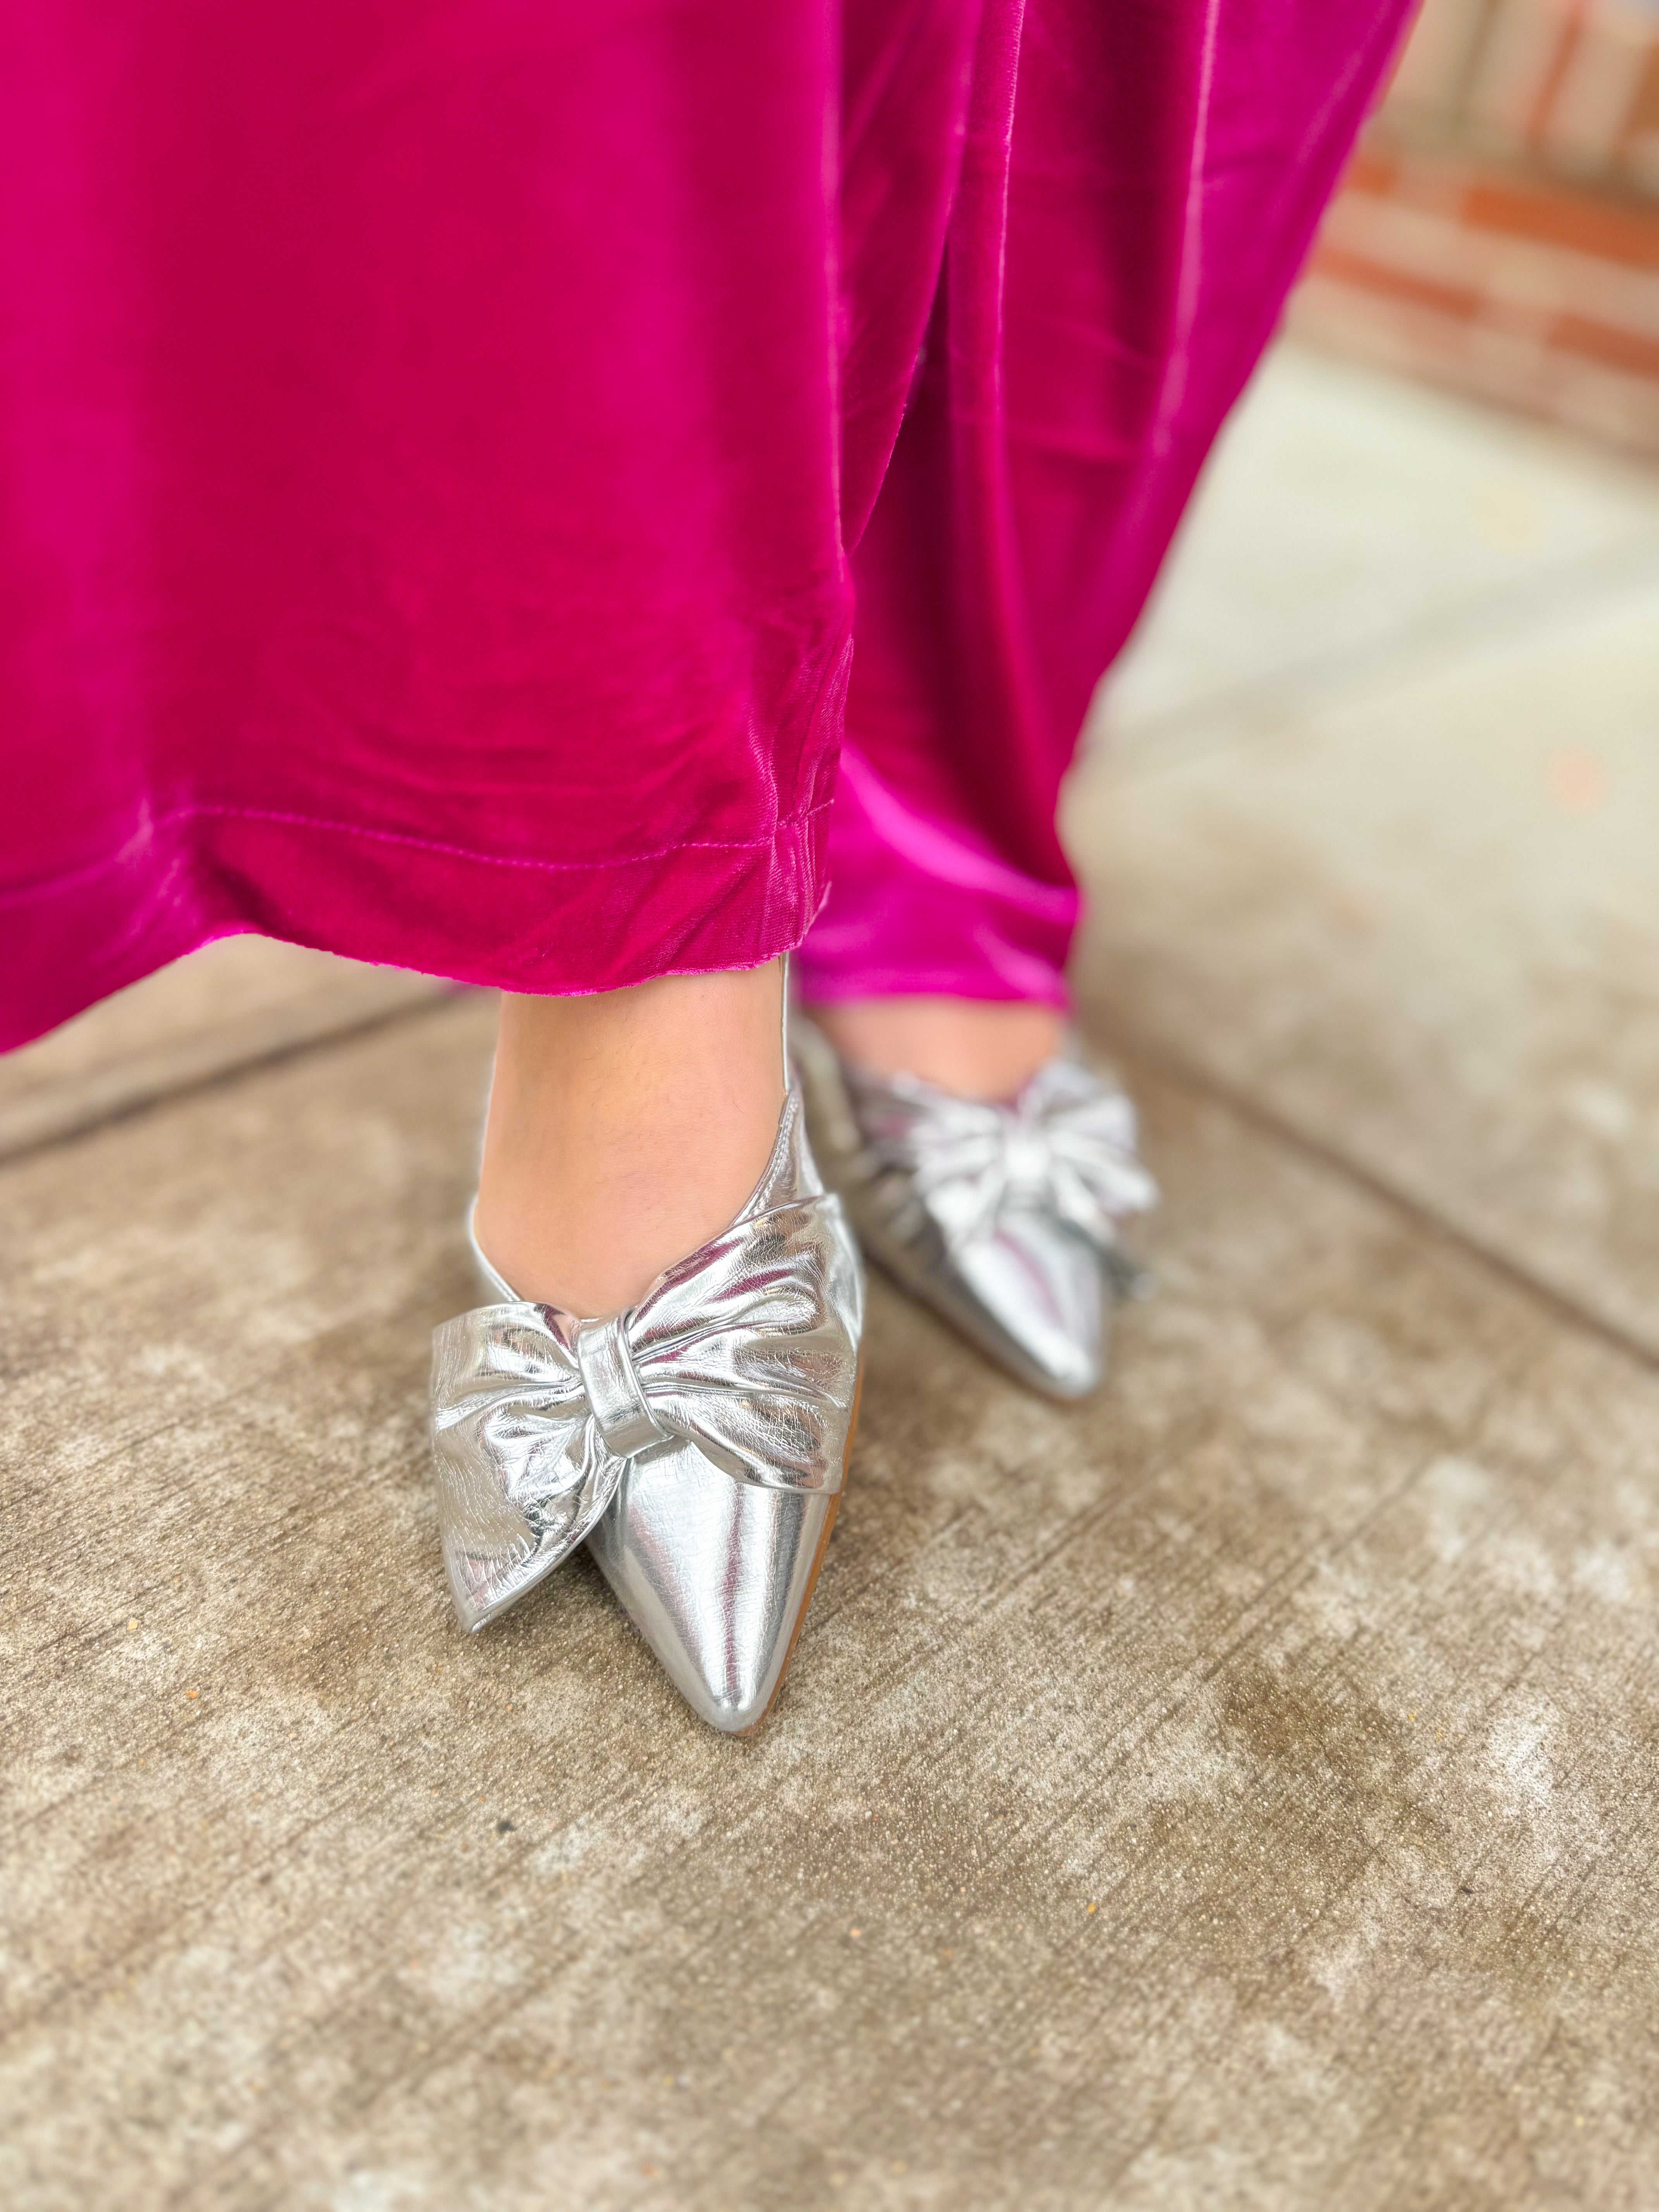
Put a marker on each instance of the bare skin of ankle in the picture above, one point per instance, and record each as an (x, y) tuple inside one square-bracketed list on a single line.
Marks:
[(976, 1047), (626, 1129)]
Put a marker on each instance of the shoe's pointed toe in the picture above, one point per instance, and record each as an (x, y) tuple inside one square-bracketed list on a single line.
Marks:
[(716, 1575), (1034, 1295)]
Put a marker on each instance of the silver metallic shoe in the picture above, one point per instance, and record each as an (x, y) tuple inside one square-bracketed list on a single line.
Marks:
[(696, 1442), (1003, 1218)]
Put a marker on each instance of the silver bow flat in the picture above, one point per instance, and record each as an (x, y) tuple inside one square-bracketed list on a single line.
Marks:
[(696, 1442), (1002, 1218)]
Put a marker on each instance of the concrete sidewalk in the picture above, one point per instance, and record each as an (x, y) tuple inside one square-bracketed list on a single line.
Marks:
[(1238, 1791)]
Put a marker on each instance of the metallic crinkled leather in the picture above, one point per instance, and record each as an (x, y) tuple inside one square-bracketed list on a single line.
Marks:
[(1064, 1147), (1002, 1218), (748, 1349)]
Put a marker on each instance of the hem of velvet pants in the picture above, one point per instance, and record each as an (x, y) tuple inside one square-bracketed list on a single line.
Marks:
[(1036, 988), (546, 927), (923, 907), (925, 940)]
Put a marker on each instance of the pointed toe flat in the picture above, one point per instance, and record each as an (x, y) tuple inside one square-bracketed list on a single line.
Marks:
[(697, 1442), (1003, 1218), (716, 1575)]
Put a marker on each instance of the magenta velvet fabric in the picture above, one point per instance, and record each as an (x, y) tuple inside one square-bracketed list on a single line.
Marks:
[(453, 452)]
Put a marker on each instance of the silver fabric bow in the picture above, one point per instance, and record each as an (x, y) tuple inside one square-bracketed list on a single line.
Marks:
[(748, 1350), (1064, 1147)]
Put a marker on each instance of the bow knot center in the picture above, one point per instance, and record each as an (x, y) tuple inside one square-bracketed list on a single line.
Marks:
[(615, 1399), (1026, 1162)]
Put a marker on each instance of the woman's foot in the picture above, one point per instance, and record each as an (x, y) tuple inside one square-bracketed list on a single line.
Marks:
[(626, 1128), (984, 1167), (985, 1049), (669, 1370)]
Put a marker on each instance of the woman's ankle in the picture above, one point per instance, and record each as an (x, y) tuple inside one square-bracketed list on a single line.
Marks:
[(976, 1048), (626, 1129)]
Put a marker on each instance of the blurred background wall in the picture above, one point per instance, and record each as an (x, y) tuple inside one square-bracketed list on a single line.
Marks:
[(1498, 230)]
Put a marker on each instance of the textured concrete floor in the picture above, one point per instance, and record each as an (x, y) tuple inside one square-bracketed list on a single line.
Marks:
[(1239, 1792)]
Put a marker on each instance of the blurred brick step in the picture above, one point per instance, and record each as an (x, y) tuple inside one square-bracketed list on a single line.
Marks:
[(1498, 230)]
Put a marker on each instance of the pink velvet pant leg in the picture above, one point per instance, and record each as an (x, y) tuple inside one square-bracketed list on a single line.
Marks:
[(1138, 186), (451, 449)]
